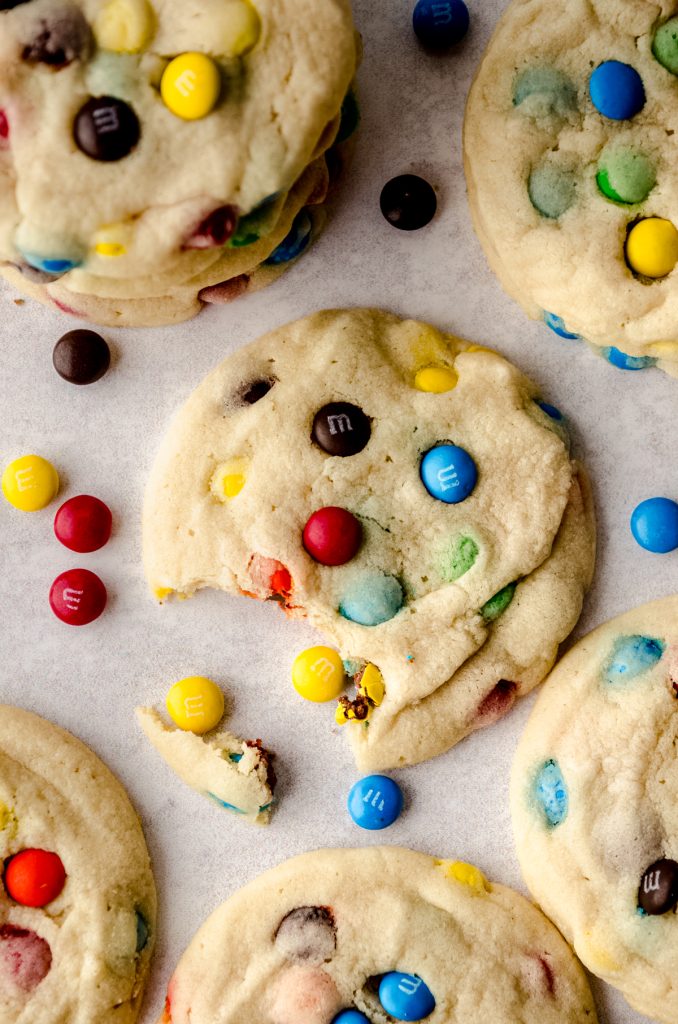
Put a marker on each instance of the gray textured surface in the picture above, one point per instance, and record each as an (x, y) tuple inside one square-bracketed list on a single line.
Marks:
[(103, 438)]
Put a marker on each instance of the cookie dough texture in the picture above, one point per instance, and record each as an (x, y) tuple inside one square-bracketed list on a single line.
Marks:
[(450, 662), (305, 940), (126, 223), (234, 774), (607, 718), (529, 110), (56, 795)]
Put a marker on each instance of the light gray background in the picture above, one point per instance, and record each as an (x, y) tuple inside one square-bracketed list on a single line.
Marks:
[(102, 439)]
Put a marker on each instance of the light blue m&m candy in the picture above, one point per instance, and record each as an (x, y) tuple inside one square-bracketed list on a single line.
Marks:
[(350, 1017), (406, 996), (616, 90), (294, 242), (375, 802), (551, 793), (654, 524), (632, 656), (51, 264), (448, 473), (372, 599)]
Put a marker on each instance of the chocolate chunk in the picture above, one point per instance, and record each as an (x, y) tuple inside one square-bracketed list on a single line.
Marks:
[(658, 892), (307, 935), (341, 429), (255, 391), (81, 357), (60, 39), (106, 129)]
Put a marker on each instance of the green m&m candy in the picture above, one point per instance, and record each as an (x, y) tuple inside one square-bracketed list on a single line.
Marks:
[(665, 45), (551, 189), (626, 176)]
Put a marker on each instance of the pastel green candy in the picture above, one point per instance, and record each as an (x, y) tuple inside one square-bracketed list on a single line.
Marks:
[(498, 604), (665, 45), (459, 559), (626, 176), (552, 190), (544, 90)]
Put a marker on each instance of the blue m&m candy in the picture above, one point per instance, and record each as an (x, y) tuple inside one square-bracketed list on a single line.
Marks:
[(375, 802), (616, 90), (556, 324), (405, 996), (551, 411), (654, 524), (51, 265), (624, 362), (439, 24), (448, 473), (350, 1017), (294, 242), (551, 793)]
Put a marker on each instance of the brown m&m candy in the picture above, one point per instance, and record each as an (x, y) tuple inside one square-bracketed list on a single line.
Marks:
[(658, 892), (81, 357), (106, 128), (59, 39), (340, 428), (256, 390)]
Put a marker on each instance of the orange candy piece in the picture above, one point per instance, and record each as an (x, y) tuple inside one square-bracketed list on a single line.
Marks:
[(34, 878)]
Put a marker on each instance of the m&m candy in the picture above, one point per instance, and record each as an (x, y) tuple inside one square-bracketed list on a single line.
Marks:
[(106, 129), (81, 357), (652, 247), (77, 597), (436, 380), (375, 802), (342, 429), (83, 523), (351, 1017), (448, 473), (616, 90), (195, 704), (124, 26), (654, 524), (318, 674), (439, 24), (372, 599), (34, 878), (332, 536), (405, 996), (191, 85), (30, 483), (408, 202)]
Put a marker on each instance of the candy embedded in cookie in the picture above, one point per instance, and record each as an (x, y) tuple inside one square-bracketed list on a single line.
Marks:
[(77, 898), (571, 178), (593, 796), (188, 164), (235, 774), (324, 956), (363, 472)]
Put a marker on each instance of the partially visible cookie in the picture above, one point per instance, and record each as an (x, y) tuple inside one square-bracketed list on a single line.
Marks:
[(409, 492), (236, 774), (570, 159), (308, 939), (69, 836), (594, 797), (188, 146)]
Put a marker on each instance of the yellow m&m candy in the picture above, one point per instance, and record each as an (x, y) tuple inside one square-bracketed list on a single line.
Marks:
[(229, 479), (436, 379), (195, 704), (652, 247), (318, 674), (239, 28), (124, 26), (30, 483), (468, 875), (191, 85)]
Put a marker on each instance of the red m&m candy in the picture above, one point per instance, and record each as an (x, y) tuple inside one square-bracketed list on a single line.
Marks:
[(34, 878), (83, 523), (332, 536), (77, 597)]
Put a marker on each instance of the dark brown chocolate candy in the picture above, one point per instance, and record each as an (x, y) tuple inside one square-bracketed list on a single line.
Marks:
[(60, 39), (106, 128), (7, 5), (81, 357), (408, 202), (215, 230), (307, 935), (658, 892), (256, 390), (341, 429)]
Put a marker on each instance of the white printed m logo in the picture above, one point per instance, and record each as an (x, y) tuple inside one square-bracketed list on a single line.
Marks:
[(447, 477), (651, 881), (186, 83), (25, 480), (339, 424), (106, 120), (72, 598), (442, 14), (194, 706), (322, 667), (409, 985)]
